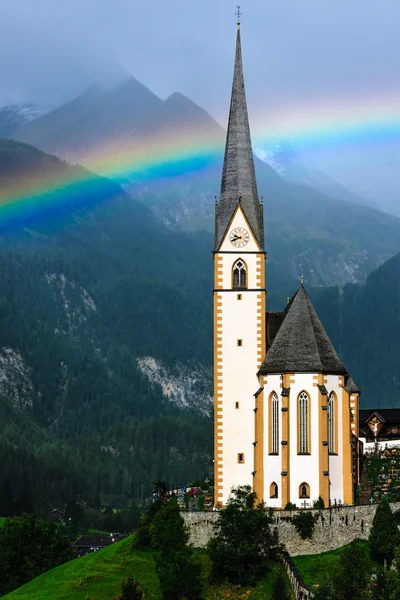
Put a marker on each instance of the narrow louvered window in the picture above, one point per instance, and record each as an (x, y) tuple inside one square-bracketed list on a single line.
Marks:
[(239, 274), (275, 424), (331, 423), (303, 423)]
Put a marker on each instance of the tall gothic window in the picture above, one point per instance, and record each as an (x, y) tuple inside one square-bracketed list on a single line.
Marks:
[(239, 274), (275, 423), (303, 408), (331, 423)]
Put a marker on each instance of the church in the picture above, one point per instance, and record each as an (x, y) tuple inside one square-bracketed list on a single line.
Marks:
[(285, 408)]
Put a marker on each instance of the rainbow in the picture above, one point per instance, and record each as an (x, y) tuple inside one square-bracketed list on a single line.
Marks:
[(157, 160)]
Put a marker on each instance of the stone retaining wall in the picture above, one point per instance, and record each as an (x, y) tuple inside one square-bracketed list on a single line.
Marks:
[(300, 590), (334, 528)]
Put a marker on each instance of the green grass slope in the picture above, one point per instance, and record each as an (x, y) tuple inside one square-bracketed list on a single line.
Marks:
[(98, 576), (315, 568)]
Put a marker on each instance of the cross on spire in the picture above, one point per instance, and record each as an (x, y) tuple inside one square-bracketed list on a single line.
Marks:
[(302, 279), (238, 14)]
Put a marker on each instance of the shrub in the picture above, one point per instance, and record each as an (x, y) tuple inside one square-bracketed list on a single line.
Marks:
[(130, 590), (319, 503), (290, 506), (304, 523)]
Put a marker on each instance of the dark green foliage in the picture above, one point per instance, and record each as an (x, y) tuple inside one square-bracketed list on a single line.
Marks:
[(319, 503), (290, 506), (388, 584), (130, 590), (143, 535), (350, 581), (304, 523), (243, 542), (29, 547), (384, 536), (178, 571), (280, 587)]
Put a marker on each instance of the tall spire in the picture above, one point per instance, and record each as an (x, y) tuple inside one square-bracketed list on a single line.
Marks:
[(238, 176)]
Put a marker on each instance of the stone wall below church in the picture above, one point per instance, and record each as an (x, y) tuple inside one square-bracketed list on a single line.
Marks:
[(334, 528)]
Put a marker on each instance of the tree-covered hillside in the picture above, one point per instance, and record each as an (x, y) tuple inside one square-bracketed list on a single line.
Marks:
[(364, 324), (88, 286)]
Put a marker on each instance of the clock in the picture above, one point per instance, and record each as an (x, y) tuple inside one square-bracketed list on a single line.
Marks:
[(239, 237)]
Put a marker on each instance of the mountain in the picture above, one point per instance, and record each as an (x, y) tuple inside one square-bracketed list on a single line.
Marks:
[(103, 384), (364, 324), (106, 336), (14, 116), (168, 155), (287, 160), (97, 117)]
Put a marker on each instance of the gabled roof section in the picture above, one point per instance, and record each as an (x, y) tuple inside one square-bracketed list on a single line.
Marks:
[(238, 175), (350, 386), (302, 344)]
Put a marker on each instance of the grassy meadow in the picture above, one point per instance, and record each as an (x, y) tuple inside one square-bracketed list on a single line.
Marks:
[(98, 576)]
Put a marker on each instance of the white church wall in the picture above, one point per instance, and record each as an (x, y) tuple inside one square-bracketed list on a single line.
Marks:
[(336, 462), (237, 375), (304, 469)]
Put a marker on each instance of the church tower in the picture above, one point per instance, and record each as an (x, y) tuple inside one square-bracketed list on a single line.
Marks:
[(239, 301), (285, 407)]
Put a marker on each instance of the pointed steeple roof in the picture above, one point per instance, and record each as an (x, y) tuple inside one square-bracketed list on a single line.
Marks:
[(302, 344), (238, 175)]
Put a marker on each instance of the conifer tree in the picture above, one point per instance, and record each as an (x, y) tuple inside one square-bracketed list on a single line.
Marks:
[(178, 571), (130, 590), (384, 536)]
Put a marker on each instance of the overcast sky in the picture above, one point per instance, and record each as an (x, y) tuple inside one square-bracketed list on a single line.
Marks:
[(293, 49), (297, 53)]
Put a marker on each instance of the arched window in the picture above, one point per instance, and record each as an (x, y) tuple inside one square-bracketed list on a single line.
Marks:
[(304, 490), (331, 423), (239, 274), (303, 416), (274, 416), (273, 490)]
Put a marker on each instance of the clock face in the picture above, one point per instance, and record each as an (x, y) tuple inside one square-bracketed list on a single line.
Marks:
[(239, 237)]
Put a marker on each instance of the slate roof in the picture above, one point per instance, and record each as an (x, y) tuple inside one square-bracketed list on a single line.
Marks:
[(238, 175), (350, 386), (93, 541), (386, 415), (302, 344)]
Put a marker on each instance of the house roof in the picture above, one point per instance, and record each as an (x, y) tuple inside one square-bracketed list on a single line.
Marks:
[(385, 415), (302, 344), (238, 175), (93, 541)]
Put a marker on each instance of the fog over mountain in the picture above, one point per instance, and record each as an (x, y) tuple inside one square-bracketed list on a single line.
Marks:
[(52, 52)]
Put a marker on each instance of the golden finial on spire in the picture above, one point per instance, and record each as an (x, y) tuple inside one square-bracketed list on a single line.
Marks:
[(238, 14), (302, 279)]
